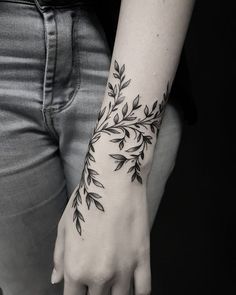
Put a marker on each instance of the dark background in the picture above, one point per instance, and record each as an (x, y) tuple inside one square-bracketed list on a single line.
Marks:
[(193, 250), (193, 239)]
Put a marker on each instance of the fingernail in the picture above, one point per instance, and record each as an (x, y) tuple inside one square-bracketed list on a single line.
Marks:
[(53, 277)]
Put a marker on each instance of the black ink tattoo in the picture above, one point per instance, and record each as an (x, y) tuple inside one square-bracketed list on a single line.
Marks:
[(123, 123)]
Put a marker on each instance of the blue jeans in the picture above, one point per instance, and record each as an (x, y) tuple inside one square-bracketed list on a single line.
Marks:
[(54, 65)]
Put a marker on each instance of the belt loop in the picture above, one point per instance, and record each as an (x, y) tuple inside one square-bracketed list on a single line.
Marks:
[(50, 30), (40, 6)]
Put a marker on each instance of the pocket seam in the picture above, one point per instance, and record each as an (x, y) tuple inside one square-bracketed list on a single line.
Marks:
[(76, 70)]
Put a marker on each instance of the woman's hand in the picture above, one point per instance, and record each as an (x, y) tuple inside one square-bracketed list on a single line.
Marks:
[(111, 248), (112, 251)]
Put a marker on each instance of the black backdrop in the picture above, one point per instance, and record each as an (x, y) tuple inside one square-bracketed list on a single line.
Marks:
[(194, 244), (193, 239)]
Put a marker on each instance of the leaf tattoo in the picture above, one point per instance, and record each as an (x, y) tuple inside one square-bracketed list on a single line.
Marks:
[(119, 120)]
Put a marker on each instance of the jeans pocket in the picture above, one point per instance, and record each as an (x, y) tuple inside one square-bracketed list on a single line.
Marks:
[(91, 58)]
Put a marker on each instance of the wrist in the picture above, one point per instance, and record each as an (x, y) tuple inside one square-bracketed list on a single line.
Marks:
[(120, 168)]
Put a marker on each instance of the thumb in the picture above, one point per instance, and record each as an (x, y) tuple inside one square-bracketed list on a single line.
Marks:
[(58, 270)]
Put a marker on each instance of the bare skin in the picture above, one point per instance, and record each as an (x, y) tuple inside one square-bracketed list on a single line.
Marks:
[(103, 242)]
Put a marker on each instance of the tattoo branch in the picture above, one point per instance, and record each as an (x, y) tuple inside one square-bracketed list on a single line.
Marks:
[(119, 121)]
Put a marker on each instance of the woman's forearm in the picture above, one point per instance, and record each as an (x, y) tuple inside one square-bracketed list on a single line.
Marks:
[(109, 206), (148, 43)]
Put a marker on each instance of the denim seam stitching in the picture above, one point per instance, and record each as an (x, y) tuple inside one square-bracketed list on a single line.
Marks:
[(43, 8), (77, 71), (46, 111), (55, 57), (47, 42), (46, 39), (75, 76), (52, 129), (47, 115), (20, 2)]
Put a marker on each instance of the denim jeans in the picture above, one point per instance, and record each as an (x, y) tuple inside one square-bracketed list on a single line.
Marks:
[(54, 65)]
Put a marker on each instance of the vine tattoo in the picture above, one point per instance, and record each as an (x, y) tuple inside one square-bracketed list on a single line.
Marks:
[(119, 120)]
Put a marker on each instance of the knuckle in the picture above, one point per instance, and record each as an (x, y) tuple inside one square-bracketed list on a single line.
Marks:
[(101, 276), (72, 274)]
